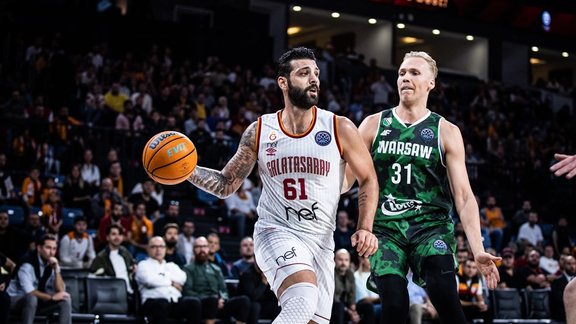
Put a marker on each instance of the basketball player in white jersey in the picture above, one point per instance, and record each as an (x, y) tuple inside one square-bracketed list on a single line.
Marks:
[(301, 153)]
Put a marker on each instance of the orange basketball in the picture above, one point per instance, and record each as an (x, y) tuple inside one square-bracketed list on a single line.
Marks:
[(169, 157)]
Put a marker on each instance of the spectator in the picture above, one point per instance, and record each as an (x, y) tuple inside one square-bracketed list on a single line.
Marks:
[(510, 277), (343, 231), (52, 217), (547, 262), (115, 260), (6, 268), (33, 229), (38, 287), (7, 192), (557, 311), (264, 304), (363, 294), (160, 284), (77, 247), (470, 293), (495, 220), (381, 90), (344, 306), (102, 201), (214, 254), (76, 191), (204, 280), (140, 232), (521, 216), (152, 206), (117, 217), (186, 239), (420, 305), (172, 215), (115, 174), (13, 242), (171, 238), (535, 277), (32, 188), (247, 257), (561, 236), (531, 232), (90, 172), (114, 99), (241, 209)]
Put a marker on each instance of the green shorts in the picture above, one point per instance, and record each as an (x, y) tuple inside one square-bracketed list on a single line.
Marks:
[(407, 243)]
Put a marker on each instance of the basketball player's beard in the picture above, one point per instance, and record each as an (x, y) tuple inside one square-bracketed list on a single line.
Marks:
[(299, 97)]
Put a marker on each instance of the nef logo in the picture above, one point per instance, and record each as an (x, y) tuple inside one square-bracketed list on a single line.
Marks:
[(286, 256), (178, 148), (302, 214), (323, 138)]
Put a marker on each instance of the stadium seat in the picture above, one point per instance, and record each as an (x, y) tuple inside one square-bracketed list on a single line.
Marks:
[(15, 214), (537, 303), (108, 298), (69, 214), (507, 304), (74, 287)]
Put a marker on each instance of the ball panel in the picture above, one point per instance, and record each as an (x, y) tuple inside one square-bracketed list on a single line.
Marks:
[(174, 168), (169, 160), (162, 147)]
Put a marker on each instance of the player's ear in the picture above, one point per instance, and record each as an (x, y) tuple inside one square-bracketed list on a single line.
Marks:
[(431, 85), (282, 82)]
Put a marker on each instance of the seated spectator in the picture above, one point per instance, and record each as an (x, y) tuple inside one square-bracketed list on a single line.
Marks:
[(38, 287), (52, 218), (32, 188), (363, 294), (117, 216), (13, 242), (115, 260), (420, 305), (241, 209), (510, 277), (186, 239), (33, 229), (172, 215), (495, 221), (77, 247), (531, 232), (90, 172), (115, 174), (204, 280), (171, 239), (102, 201), (562, 235), (547, 262), (264, 304), (7, 191), (160, 284), (247, 257), (152, 205), (140, 232), (214, 254), (76, 193), (461, 256), (6, 268), (557, 311), (344, 306), (343, 231), (470, 293), (535, 277)]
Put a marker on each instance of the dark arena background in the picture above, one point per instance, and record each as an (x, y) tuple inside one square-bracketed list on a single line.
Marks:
[(85, 84)]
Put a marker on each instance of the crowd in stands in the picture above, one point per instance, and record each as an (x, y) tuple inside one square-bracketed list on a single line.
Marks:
[(73, 128)]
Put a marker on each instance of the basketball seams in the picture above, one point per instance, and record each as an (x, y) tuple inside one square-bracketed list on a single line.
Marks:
[(157, 149), (165, 165)]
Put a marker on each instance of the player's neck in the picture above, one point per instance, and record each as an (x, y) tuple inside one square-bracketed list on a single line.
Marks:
[(296, 120), (411, 113)]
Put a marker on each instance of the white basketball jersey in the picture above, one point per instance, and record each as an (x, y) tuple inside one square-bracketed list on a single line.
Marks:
[(301, 174)]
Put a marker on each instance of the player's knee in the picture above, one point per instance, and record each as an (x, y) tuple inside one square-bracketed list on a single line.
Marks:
[(300, 298)]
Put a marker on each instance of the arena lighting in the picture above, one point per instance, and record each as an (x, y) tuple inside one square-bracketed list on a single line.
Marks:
[(435, 31), (335, 15), (536, 61), (296, 8), (293, 30), (400, 26), (535, 49), (565, 54), (469, 37), (372, 21)]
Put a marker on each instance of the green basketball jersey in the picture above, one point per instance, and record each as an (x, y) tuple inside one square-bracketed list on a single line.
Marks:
[(410, 167)]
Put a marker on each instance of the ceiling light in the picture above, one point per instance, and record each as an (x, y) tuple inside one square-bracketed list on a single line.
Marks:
[(565, 54), (435, 32), (335, 15), (293, 30), (410, 40), (297, 8), (372, 21), (536, 61), (535, 49), (469, 37), (400, 26)]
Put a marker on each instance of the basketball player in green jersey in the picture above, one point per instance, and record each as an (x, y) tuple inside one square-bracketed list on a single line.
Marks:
[(419, 161)]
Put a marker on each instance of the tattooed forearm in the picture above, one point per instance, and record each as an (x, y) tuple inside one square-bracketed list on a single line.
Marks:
[(224, 183), (362, 198)]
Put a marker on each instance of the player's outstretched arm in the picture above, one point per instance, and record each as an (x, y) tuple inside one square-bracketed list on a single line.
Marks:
[(566, 165), (465, 202), (360, 162), (224, 183)]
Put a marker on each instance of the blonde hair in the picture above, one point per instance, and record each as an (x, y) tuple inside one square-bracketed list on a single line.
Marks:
[(423, 55)]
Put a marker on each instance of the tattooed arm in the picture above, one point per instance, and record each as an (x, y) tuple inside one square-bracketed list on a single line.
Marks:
[(360, 163), (224, 183)]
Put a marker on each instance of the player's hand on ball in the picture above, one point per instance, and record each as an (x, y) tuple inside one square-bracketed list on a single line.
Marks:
[(485, 262), (365, 242)]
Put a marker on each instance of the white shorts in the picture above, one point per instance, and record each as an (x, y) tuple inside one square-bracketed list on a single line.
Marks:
[(280, 252)]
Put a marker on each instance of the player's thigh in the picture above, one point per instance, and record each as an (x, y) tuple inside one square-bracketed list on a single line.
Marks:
[(392, 255), (324, 265)]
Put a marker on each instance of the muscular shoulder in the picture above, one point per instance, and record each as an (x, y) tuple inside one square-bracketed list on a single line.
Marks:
[(249, 136), (450, 135)]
